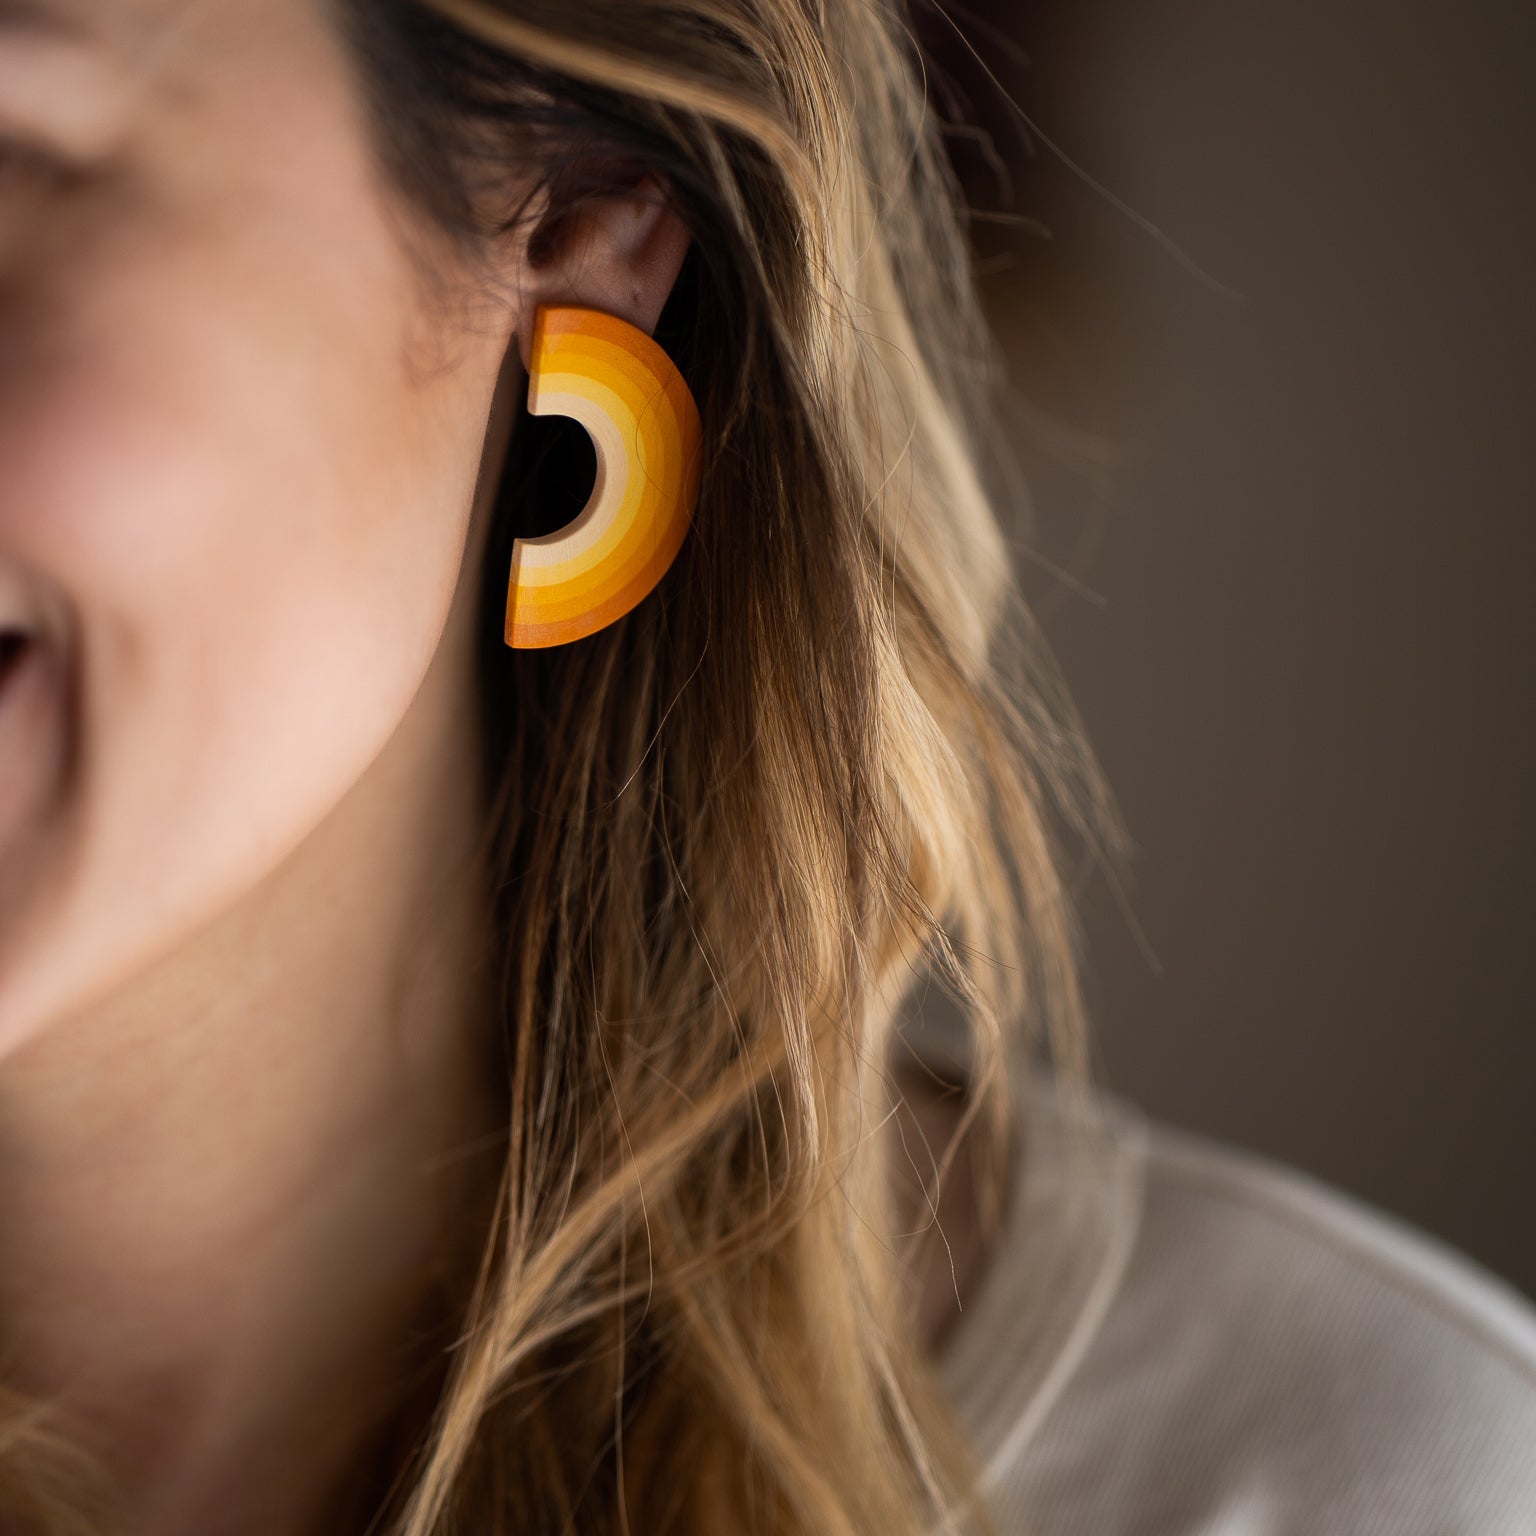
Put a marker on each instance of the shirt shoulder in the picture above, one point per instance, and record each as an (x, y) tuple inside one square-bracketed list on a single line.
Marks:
[(1244, 1350)]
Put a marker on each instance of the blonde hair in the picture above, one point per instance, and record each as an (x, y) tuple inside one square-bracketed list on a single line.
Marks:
[(729, 833)]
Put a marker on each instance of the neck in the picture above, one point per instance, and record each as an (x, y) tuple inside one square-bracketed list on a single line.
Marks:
[(227, 1191)]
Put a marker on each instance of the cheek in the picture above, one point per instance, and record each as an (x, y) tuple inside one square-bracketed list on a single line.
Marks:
[(216, 489), (256, 523)]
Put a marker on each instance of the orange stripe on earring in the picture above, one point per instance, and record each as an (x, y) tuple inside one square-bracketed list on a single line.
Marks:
[(624, 389)]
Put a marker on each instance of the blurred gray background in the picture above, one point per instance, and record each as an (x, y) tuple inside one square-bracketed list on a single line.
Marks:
[(1277, 415)]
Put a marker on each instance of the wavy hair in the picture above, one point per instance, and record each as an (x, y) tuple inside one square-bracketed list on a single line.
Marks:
[(830, 756)]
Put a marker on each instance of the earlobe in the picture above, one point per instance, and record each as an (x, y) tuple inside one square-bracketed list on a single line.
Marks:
[(589, 310)]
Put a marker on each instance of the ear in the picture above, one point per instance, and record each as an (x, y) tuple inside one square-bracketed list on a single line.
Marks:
[(620, 253)]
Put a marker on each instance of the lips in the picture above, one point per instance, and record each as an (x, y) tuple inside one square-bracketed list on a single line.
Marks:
[(22, 654), (30, 733), (20, 612), (13, 642)]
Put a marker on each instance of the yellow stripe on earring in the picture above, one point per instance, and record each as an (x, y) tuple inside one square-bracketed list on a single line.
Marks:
[(626, 391)]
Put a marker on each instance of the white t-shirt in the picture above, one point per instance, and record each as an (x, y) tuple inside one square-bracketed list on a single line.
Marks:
[(1173, 1337)]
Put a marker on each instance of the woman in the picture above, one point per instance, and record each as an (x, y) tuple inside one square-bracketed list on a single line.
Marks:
[(453, 1073)]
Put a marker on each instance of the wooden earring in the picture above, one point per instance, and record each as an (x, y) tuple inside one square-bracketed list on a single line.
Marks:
[(644, 423)]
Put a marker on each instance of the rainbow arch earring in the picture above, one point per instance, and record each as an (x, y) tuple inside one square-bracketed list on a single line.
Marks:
[(624, 389)]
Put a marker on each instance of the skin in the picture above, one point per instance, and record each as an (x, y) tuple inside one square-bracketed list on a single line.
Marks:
[(242, 1022), (245, 1091)]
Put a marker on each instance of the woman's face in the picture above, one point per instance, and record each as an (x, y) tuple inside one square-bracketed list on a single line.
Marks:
[(235, 479)]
